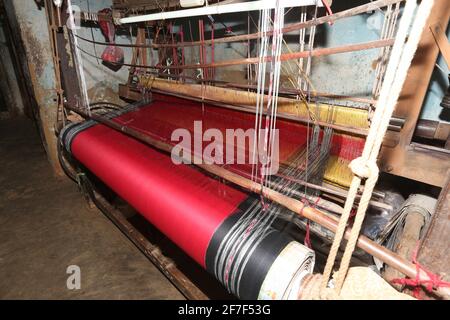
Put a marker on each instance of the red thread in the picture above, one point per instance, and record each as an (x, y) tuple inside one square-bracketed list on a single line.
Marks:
[(434, 281), (307, 236), (308, 232), (317, 201)]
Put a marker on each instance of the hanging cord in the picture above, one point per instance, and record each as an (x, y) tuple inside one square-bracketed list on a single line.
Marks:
[(365, 166), (307, 89), (249, 68)]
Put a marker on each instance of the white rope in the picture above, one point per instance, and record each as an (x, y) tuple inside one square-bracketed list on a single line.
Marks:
[(365, 166), (302, 36), (263, 48)]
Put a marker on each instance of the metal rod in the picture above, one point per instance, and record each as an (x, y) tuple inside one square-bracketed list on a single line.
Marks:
[(294, 91), (218, 9), (416, 145), (282, 91), (339, 193)]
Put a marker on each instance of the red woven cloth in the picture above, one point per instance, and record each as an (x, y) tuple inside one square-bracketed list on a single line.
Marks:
[(165, 114), (183, 203)]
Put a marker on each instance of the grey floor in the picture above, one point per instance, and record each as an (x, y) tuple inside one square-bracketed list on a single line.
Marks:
[(45, 226)]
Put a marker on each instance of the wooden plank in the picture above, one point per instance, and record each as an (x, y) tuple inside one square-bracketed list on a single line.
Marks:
[(442, 42), (434, 253), (397, 160)]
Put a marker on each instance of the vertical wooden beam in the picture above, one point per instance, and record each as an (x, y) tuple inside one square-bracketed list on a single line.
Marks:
[(394, 159), (441, 40), (434, 253)]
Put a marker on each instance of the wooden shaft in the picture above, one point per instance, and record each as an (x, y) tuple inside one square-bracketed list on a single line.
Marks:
[(347, 129), (282, 90), (293, 91), (390, 258)]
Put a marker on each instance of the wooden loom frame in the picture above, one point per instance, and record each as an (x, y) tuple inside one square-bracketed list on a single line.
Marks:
[(409, 267)]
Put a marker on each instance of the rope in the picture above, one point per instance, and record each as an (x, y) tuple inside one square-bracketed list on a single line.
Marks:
[(365, 167), (328, 9), (311, 287)]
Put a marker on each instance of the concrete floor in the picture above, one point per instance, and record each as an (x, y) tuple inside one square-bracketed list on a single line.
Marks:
[(45, 226)]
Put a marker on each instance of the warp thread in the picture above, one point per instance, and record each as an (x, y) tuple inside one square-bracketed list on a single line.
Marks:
[(306, 203)]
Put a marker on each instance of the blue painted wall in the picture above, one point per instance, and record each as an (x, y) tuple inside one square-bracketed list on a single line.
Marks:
[(347, 73)]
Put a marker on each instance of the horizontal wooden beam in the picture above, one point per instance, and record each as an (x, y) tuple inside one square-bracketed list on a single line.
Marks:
[(289, 56)]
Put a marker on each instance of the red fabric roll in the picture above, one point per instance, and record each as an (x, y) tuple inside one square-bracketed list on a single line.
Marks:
[(183, 203)]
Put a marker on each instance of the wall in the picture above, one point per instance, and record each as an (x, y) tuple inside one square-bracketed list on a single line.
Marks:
[(30, 20), (8, 82)]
